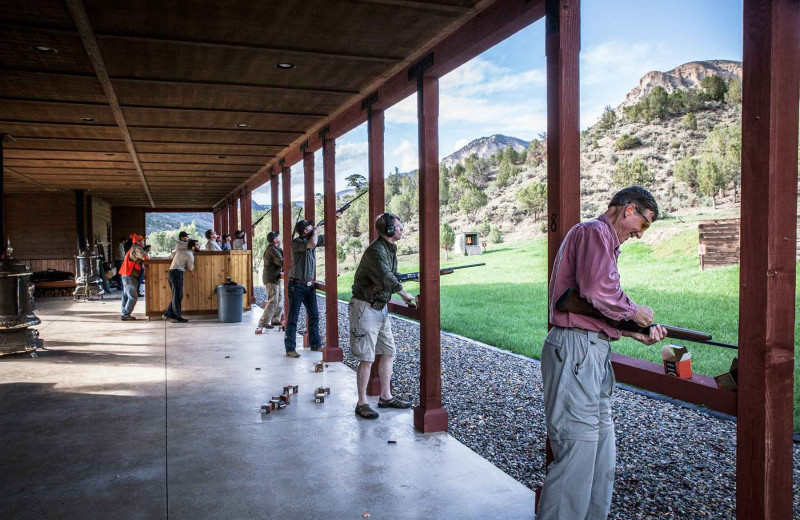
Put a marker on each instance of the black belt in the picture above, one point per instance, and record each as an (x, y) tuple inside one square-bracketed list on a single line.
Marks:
[(301, 282)]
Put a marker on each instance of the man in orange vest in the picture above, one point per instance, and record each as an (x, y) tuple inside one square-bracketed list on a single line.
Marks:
[(130, 271)]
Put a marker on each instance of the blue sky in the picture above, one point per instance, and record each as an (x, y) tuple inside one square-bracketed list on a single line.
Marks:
[(504, 89)]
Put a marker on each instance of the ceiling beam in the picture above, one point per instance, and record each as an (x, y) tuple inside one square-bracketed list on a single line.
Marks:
[(238, 46), (427, 6), (149, 127), (314, 90), (265, 48), (167, 108), (81, 20), (49, 150)]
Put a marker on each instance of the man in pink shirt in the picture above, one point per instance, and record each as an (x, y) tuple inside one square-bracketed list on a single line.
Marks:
[(576, 359)]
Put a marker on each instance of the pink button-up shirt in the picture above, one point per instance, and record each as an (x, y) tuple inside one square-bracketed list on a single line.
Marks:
[(587, 260)]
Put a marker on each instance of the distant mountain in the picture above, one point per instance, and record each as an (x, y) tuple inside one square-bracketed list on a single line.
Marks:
[(683, 77), (484, 147), (170, 221)]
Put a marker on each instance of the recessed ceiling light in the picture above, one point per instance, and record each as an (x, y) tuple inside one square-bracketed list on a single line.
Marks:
[(242, 125), (222, 156), (209, 175), (44, 50), (284, 66), (87, 119)]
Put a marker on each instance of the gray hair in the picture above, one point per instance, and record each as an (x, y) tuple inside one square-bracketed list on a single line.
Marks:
[(638, 196)]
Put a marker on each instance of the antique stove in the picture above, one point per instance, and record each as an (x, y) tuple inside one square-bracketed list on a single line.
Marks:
[(16, 307), (88, 282)]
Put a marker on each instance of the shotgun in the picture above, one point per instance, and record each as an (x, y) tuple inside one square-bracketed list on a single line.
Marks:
[(445, 270), (573, 302), (345, 207), (254, 224)]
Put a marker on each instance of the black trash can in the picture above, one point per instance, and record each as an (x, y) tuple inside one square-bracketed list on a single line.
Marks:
[(229, 301)]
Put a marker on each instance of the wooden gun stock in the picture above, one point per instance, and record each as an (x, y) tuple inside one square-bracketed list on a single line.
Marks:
[(573, 302)]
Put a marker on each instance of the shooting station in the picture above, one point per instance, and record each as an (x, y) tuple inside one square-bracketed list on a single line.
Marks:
[(468, 244), (110, 110)]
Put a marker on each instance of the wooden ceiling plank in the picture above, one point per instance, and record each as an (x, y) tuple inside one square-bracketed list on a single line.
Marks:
[(313, 90), (268, 48), (81, 20), (426, 6)]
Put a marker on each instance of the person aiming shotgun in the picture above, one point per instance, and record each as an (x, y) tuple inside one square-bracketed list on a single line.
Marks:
[(576, 358)]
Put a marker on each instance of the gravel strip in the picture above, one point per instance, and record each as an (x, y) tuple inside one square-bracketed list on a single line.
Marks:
[(672, 462)]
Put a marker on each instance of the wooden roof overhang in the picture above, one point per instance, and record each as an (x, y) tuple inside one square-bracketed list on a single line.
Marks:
[(145, 103)]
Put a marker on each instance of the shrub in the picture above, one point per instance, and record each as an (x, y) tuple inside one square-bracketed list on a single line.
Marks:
[(534, 198), (496, 236), (690, 121), (734, 93), (686, 171), (632, 173), (448, 238), (714, 87), (471, 201), (608, 119), (626, 142)]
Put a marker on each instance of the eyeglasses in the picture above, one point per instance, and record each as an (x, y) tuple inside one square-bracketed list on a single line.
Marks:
[(646, 223)]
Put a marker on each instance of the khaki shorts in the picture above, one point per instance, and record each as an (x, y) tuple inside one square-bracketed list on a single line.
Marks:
[(370, 331)]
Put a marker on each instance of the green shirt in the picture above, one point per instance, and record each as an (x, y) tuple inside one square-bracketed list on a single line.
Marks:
[(304, 260), (375, 279)]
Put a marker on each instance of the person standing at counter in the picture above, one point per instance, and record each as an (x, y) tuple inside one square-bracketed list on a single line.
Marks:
[(182, 260), (212, 244), (239, 241), (131, 270)]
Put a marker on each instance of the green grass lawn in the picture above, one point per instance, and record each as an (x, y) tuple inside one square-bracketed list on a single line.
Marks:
[(505, 302)]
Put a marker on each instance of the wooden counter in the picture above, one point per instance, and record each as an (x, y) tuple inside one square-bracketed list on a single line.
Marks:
[(210, 269)]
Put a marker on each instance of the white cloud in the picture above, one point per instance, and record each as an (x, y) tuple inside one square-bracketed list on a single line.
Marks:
[(408, 158), (480, 77), (461, 143)]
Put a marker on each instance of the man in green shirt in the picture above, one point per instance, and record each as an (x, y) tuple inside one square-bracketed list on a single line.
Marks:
[(370, 326)]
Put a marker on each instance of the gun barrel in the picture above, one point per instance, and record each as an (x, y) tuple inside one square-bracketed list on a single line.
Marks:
[(464, 266)]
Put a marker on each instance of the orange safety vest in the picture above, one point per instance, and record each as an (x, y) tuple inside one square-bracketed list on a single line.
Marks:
[(129, 265)]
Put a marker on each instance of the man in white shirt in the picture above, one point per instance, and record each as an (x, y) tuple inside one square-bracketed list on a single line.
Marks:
[(182, 260), (212, 244)]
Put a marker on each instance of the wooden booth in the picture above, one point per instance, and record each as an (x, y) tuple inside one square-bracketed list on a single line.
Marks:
[(211, 268)]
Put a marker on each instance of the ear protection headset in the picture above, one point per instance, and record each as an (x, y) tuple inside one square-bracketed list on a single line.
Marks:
[(388, 227)]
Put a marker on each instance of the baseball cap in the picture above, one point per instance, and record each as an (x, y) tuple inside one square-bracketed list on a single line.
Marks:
[(182, 234)]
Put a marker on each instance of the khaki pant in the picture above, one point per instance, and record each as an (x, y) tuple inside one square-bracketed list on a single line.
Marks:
[(274, 307), (578, 381), (370, 331)]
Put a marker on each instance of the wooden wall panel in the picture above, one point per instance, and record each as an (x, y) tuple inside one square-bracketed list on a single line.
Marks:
[(719, 242), (101, 222), (126, 220), (41, 225)]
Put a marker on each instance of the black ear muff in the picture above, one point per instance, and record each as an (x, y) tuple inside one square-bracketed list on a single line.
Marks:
[(388, 228)]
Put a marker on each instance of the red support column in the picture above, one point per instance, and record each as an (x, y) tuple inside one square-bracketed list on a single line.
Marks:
[(770, 89), (274, 210), (288, 224), (377, 205), (233, 216), (332, 350), (217, 220), (308, 203), (247, 227), (223, 219), (429, 416), (562, 46)]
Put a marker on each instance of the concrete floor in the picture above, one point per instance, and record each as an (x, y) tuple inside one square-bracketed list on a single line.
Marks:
[(129, 420)]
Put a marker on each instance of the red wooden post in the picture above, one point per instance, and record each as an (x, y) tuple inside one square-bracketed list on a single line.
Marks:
[(562, 47), (247, 226), (308, 202), (274, 210), (288, 224), (332, 350), (223, 222), (233, 216), (429, 416), (377, 205), (770, 89), (217, 219)]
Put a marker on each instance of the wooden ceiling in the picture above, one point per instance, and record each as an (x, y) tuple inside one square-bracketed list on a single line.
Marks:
[(184, 76)]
